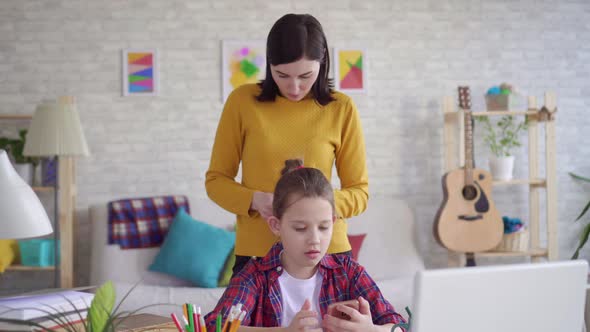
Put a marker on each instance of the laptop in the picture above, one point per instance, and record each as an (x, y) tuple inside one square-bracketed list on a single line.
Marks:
[(536, 297)]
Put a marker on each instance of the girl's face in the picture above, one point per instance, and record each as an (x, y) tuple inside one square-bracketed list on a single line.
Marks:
[(296, 79), (305, 231)]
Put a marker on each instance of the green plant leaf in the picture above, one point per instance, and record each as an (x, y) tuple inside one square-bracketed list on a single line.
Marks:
[(575, 176), (110, 325), (53, 313), (58, 316), (15, 148), (583, 240), (102, 307), (503, 136), (25, 323), (584, 211), (119, 318)]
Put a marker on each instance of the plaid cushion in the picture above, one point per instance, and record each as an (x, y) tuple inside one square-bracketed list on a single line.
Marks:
[(143, 222)]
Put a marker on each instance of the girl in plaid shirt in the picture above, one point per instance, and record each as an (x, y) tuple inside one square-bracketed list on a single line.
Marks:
[(291, 287)]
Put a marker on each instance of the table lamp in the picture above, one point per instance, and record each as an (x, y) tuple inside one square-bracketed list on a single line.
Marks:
[(21, 213)]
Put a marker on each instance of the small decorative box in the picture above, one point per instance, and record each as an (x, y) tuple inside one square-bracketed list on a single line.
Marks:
[(497, 102), (517, 241), (37, 252)]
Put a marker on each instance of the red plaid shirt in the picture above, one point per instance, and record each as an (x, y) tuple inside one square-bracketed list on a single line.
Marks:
[(257, 288)]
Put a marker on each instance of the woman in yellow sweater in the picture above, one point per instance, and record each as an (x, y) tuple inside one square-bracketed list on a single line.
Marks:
[(293, 113)]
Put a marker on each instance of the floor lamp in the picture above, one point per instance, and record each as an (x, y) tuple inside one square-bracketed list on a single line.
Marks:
[(55, 131)]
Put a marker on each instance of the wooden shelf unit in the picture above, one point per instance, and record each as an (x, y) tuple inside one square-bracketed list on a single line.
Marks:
[(15, 117), (533, 252), (531, 182), (43, 189), (454, 155), (66, 201), (29, 268)]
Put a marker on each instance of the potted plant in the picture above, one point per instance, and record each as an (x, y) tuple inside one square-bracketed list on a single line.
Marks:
[(102, 316), (586, 229), (502, 138), (24, 166)]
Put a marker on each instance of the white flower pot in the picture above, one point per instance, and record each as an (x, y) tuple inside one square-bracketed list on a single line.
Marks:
[(25, 171), (502, 167)]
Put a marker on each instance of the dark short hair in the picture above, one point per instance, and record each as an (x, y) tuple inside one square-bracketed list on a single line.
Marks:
[(297, 182), (291, 38)]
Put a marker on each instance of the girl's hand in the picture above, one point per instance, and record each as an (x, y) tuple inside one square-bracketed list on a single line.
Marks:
[(360, 321), (305, 320), (262, 202)]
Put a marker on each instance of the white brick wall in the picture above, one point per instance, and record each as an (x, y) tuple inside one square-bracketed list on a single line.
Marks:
[(419, 51)]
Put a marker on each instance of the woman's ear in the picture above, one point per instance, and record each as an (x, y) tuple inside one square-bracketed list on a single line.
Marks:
[(333, 219), (274, 224)]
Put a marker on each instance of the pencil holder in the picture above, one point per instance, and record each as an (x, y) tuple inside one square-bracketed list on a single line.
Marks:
[(517, 241)]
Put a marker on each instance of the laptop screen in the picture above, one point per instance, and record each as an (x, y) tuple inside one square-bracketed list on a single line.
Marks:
[(536, 297)]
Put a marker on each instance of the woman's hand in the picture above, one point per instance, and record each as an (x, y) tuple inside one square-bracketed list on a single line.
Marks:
[(360, 321), (262, 202), (305, 320)]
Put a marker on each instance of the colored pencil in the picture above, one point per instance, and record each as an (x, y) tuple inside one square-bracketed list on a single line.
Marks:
[(176, 322), (201, 320), (218, 323), (235, 326), (228, 320), (197, 323), (191, 322)]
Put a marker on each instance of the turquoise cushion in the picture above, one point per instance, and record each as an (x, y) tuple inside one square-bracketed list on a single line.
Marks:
[(194, 251)]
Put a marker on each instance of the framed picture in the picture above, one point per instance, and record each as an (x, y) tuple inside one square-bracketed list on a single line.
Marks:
[(350, 71), (140, 72), (243, 61)]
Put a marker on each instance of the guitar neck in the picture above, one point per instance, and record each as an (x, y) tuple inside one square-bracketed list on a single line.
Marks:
[(468, 147)]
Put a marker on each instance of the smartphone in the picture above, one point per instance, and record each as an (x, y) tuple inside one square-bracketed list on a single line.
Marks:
[(332, 311)]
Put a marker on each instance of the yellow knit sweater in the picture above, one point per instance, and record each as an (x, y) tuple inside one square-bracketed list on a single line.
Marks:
[(262, 135)]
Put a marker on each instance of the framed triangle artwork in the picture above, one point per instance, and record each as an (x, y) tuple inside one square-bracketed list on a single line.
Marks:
[(140, 72), (350, 70)]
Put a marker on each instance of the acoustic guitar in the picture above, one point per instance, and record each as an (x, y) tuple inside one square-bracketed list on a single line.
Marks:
[(467, 220)]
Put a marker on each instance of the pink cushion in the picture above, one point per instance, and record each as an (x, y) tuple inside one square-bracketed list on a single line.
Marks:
[(356, 241)]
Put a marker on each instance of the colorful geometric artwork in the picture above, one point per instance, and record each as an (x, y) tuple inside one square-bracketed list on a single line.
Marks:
[(242, 62), (140, 73), (350, 69)]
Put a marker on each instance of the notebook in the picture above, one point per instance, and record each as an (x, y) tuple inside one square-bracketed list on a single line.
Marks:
[(539, 297), (41, 305), (46, 322)]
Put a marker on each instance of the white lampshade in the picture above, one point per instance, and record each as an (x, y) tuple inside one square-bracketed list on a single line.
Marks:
[(56, 131), (21, 213)]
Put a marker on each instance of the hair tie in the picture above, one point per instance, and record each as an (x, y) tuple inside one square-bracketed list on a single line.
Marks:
[(300, 167)]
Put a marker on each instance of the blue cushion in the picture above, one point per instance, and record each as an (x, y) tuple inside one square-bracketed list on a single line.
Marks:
[(194, 251)]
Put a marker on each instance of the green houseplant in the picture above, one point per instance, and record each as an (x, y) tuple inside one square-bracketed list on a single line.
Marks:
[(102, 316), (586, 229), (502, 138), (15, 147)]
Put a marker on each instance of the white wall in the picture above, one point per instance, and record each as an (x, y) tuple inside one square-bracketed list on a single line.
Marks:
[(419, 51)]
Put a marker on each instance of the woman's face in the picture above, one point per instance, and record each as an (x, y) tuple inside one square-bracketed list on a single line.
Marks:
[(295, 79)]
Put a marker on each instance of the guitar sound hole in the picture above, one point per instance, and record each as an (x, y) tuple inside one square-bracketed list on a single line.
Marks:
[(469, 193)]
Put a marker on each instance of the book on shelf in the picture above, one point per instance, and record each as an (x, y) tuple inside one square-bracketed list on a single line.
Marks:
[(28, 307), (55, 322)]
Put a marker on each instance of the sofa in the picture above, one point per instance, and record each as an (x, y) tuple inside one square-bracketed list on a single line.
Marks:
[(388, 252)]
